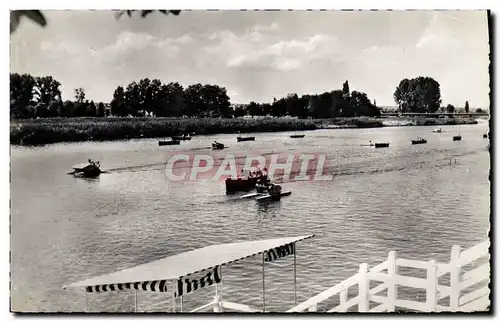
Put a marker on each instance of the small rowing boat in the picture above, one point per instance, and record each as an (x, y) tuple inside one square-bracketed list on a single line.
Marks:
[(273, 197), (243, 139), (419, 140), (457, 138), (173, 142), (253, 195), (439, 130), (297, 136)]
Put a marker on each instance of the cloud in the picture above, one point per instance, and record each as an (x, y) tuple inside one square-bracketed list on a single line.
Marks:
[(254, 49)]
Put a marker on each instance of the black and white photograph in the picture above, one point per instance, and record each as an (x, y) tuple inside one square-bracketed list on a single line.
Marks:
[(250, 161)]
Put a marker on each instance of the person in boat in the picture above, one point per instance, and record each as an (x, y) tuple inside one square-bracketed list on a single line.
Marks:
[(274, 189)]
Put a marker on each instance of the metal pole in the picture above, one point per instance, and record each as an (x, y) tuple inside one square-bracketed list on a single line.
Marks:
[(182, 302), (263, 285), (135, 309), (295, 275), (220, 271), (86, 303), (173, 297)]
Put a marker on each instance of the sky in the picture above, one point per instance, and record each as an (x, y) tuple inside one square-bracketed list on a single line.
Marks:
[(261, 55)]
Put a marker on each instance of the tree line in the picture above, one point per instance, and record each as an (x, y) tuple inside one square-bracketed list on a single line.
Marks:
[(33, 97)]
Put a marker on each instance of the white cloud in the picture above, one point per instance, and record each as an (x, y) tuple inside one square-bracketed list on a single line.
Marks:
[(253, 49)]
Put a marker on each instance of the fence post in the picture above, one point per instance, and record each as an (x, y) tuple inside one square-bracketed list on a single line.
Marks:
[(343, 299), (363, 286), (431, 289), (392, 285), (455, 272)]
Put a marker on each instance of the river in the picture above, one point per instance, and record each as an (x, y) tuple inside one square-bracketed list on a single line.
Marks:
[(418, 200)]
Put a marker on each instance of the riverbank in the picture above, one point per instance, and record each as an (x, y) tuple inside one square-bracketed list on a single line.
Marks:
[(54, 130)]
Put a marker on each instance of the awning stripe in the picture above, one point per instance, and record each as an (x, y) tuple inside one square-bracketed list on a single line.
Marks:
[(188, 285), (154, 286)]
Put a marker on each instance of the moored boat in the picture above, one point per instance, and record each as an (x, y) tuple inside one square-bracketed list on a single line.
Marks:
[(419, 140), (243, 138), (297, 136), (438, 130), (382, 145), (173, 142), (457, 138)]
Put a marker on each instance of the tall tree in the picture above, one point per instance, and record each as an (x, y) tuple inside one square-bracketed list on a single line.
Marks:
[(21, 95), (118, 106), (47, 90), (133, 98), (345, 90), (100, 110), (92, 109), (421, 94), (450, 108), (466, 106)]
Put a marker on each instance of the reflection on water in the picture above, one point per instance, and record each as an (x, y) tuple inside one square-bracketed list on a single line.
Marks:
[(411, 199)]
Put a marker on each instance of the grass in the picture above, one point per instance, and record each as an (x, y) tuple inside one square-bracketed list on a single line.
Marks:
[(53, 130)]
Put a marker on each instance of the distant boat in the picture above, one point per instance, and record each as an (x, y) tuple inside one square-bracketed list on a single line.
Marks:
[(437, 130), (217, 146), (457, 138), (173, 142), (297, 136), (91, 170), (379, 145), (485, 136), (242, 139), (419, 141)]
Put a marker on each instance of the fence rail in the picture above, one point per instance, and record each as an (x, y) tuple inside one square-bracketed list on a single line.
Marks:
[(461, 299)]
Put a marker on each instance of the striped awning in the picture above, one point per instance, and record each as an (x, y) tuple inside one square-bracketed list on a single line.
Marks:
[(154, 276)]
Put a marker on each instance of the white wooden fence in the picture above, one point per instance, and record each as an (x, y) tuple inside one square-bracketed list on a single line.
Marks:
[(464, 291)]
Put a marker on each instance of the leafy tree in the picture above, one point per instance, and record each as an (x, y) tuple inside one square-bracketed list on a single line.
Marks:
[(68, 109), (450, 108), (254, 109), (239, 111), (38, 17), (421, 94), (100, 109), (21, 95), (118, 106), (46, 90), (479, 110), (345, 90), (79, 95), (92, 109), (133, 99), (194, 101), (466, 106), (279, 108)]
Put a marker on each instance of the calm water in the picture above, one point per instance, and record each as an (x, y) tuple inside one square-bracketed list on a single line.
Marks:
[(404, 198)]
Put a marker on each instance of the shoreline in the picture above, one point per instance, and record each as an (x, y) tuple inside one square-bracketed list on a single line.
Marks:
[(34, 132)]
